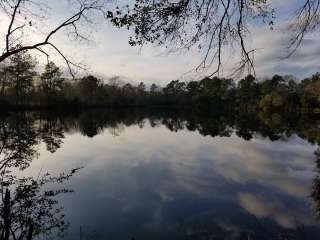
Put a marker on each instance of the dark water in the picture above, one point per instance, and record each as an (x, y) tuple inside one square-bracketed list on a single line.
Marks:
[(161, 175)]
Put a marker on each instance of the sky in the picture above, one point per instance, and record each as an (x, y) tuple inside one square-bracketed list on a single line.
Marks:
[(109, 54)]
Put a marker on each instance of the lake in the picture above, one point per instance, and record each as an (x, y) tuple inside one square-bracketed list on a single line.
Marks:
[(155, 174)]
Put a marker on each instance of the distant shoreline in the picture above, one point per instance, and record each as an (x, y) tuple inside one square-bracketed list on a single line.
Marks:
[(80, 108)]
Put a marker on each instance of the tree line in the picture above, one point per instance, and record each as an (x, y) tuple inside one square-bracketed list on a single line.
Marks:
[(21, 86)]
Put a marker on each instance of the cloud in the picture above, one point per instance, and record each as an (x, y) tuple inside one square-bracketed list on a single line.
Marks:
[(258, 162), (263, 206), (272, 58)]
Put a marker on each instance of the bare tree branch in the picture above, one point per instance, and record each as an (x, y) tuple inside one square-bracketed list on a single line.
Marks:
[(306, 20), (83, 9), (212, 25)]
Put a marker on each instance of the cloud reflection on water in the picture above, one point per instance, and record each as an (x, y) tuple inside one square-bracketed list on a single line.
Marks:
[(151, 177)]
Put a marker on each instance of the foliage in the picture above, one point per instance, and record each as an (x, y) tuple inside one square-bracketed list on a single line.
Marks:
[(19, 73), (213, 26), (22, 87), (28, 207), (51, 82)]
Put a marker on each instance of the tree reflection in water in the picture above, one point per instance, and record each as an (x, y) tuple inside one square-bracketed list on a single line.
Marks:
[(29, 209), (316, 185)]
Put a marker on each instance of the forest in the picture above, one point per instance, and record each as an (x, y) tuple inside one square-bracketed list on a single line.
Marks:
[(23, 87)]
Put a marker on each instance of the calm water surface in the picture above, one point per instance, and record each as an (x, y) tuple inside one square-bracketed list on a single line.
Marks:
[(178, 176)]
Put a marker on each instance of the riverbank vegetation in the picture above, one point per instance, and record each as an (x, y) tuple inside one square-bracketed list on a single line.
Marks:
[(22, 87)]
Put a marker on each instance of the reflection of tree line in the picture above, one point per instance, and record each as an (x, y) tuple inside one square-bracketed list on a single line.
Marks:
[(50, 127), (273, 126), (29, 209), (316, 185)]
